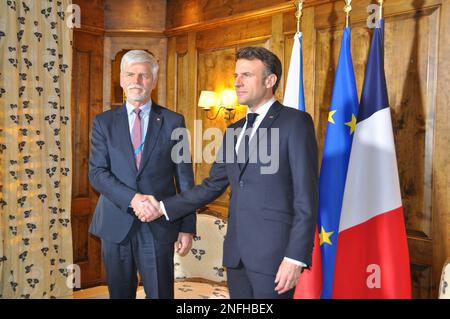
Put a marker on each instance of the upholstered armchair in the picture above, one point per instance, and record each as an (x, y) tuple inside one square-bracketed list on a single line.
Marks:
[(200, 274), (444, 284)]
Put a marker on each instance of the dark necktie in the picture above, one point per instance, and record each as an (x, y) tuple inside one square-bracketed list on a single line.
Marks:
[(243, 149), (137, 137)]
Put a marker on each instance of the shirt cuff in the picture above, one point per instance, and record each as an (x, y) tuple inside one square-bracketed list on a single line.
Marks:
[(295, 262), (163, 210)]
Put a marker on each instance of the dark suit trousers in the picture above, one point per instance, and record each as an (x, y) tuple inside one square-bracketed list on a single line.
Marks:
[(139, 252), (247, 284)]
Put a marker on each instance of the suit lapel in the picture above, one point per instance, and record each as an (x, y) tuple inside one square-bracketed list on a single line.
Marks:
[(123, 135), (154, 126), (266, 123), (271, 115)]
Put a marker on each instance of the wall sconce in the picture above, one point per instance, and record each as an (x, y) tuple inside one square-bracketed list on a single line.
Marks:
[(227, 101), (207, 100)]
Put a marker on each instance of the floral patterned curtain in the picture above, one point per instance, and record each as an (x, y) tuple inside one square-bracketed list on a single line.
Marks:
[(35, 149)]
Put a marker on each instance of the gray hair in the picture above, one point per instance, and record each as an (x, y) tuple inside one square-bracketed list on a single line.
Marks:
[(140, 56)]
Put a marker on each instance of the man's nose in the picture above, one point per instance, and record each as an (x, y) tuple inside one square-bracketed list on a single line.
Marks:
[(137, 79), (237, 82)]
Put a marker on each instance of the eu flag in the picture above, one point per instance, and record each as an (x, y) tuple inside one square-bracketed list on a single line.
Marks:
[(338, 141)]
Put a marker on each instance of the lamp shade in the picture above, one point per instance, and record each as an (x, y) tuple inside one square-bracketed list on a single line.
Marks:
[(228, 99), (207, 100)]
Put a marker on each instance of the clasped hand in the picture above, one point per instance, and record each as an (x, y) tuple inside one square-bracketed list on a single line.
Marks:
[(146, 207)]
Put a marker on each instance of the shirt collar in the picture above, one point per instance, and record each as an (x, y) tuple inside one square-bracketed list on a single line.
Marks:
[(263, 109), (144, 108)]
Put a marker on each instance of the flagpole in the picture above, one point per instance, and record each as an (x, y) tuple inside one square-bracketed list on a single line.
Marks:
[(298, 13), (347, 9)]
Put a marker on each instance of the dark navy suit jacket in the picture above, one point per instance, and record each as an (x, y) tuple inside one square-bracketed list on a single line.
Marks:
[(271, 216), (113, 173)]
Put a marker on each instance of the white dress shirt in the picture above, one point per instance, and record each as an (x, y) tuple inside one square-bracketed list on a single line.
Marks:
[(261, 111)]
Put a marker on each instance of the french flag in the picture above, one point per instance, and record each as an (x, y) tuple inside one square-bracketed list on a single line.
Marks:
[(372, 258)]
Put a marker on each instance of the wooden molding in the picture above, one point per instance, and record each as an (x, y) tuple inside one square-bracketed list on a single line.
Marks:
[(236, 43), (90, 29), (121, 32), (135, 33), (239, 18)]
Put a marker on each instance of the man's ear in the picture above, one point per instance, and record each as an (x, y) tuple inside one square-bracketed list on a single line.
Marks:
[(271, 80), (122, 82), (154, 83)]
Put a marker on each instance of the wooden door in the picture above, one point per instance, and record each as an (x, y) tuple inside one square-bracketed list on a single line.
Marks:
[(87, 101)]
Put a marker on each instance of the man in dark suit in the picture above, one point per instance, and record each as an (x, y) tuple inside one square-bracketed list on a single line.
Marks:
[(272, 212), (130, 157)]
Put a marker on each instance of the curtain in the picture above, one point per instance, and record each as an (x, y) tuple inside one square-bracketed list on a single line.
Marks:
[(35, 149)]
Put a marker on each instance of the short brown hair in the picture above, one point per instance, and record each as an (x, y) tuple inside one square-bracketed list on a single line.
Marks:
[(270, 60)]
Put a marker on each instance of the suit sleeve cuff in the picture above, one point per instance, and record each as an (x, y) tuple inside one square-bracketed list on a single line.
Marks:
[(295, 262), (163, 210)]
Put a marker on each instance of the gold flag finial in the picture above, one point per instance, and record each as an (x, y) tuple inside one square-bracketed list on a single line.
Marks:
[(347, 9), (298, 12), (380, 2)]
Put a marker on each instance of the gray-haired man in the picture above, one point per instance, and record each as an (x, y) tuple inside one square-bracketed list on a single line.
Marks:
[(130, 157)]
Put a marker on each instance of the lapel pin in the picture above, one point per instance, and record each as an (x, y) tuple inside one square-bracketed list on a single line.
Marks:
[(158, 119), (271, 117)]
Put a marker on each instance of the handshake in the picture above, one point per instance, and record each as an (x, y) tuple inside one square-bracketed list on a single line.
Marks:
[(146, 207)]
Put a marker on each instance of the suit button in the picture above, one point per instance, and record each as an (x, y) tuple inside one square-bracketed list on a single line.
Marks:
[(138, 179), (241, 183)]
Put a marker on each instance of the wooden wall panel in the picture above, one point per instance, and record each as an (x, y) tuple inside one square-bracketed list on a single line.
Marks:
[(331, 14), (421, 281), (80, 241), (182, 104), (182, 44), (411, 44), (91, 13), (172, 72), (441, 152), (186, 12), (135, 15), (82, 62), (235, 35), (183, 100), (277, 47), (410, 72)]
